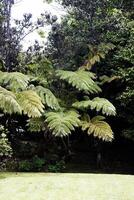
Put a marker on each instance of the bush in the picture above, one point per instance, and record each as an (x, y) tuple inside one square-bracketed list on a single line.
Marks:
[(25, 166), (34, 165), (5, 148), (58, 167), (11, 164), (37, 163)]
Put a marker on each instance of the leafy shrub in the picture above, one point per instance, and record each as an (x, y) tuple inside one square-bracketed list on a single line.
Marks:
[(11, 165), (37, 163), (2, 166), (34, 165), (5, 148), (58, 167), (25, 166)]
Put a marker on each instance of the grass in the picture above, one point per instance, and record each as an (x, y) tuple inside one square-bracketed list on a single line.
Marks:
[(43, 186)]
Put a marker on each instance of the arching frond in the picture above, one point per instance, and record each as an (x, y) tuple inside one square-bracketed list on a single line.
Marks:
[(62, 123), (106, 79), (30, 103), (15, 81), (8, 102), (47, 97), (98, 128), (80, 79), (99, 104)]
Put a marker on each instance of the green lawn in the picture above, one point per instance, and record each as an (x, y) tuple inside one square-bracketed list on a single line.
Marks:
[(43, 186)]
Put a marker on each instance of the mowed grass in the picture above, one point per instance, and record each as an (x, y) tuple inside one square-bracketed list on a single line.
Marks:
[(43, 186)]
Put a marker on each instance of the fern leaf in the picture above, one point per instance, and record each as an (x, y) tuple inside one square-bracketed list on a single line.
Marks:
[(8, 102), (31, 103), (62, 123), (99, 104), (98, 128), (15, 81), (36, 124), (82, 80), (47, 97), (106, 79)]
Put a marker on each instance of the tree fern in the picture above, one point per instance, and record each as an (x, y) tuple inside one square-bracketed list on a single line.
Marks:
[(98, 128), (62, 123), (8, 102), (47, 97), (30, 103), (99, 104), (14, 81), (80, 79)]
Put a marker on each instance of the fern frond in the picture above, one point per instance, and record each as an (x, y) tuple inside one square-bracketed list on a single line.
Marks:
[(47, 97), (98, 128), (8, 102), (30, 103), (99, 104), (106, 79), (62, 123), (96, 53), (36, 124), (15, 81), (80, 79)]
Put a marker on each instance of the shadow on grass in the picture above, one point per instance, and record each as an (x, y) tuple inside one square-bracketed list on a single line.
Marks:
[(2, 176)]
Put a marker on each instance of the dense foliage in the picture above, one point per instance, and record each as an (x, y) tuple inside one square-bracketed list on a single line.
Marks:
[(76, 83), (85, 34)]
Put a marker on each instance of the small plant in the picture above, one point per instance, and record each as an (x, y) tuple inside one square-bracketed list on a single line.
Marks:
[(12, 165), (34, 165), (25, 166), (37, 163), (58, 167), (5, 148)]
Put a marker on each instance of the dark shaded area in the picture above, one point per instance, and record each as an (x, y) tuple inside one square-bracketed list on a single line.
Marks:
[(116, 157)]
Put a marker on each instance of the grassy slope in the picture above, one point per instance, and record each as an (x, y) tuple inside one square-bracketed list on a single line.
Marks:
[(66, 187)]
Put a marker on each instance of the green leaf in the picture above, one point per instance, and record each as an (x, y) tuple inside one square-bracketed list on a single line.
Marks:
[(47, 97), (62, 123), (99, 104), (98, 128), (82, 80), (8, 102), (30, 103), (14, 81)]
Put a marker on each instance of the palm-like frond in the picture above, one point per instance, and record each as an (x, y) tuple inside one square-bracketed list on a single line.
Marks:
[(98, 104), (62, 123), (47, 97), (15, 81), (8, 102), (80, 79), (98, 127), (30, 103)]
